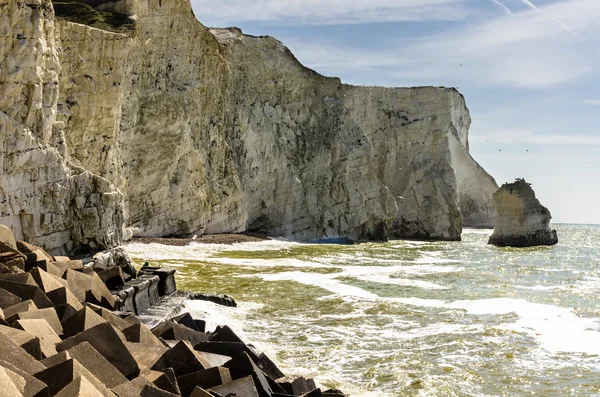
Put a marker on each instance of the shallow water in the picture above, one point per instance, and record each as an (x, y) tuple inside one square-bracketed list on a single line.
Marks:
[(411, 318)]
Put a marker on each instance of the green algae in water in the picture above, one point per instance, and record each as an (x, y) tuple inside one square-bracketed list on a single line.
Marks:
[(506, 323)]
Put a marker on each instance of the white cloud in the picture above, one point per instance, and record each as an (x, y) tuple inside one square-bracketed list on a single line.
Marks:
[(593, 102), (527, 49), (506, 10), (327, 11), (558, 21)]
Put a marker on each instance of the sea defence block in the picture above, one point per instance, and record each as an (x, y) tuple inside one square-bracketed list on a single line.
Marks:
[(164, 380), (153, 294), (141, 387), (107, 341), (242, 366), (97, 364), (112, 277), (166, 285), (241, 387), (125, 298), (141, 299), (170, 330), (205, 379)]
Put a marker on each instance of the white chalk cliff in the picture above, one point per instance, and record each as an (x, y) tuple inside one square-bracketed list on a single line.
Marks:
[(174, 128)]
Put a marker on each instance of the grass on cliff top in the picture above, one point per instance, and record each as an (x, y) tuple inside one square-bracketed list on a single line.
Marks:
[(74, 11)]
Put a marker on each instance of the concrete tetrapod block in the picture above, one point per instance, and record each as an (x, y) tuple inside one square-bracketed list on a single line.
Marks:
[(113, 319), (146, 356), (26, 291), (183, 359), (125, 296), (141, 298), (112, 277), (163, 381), (56, 359), (200, 392), (80, 387), (20, 307), (170, 330), (214, 360), (28, 385), (28, 342), (141, 387), (166, 285), (108, 342), (296, 386), (21, 278), (240, 387), (52, 269), (27, 248), (313, 393), (89, 288), (7, 236), (139, 333), (231, 349), (48, 314), (153, 294), (46, 281), (81, 321), (17, 356), (242, 366), (269, 367), (63, 373), (63, 266), (8, 299), (187, 320), (333, 393), (205, 379), (65, 303), (7, 387), (42, 330), (225, 334), (97, 365)]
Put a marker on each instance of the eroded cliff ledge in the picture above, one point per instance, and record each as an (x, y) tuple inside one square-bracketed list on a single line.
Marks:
[(211, 131), (522, 220)]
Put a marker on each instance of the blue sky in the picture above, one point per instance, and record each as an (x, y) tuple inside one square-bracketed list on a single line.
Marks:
[(529, 69)]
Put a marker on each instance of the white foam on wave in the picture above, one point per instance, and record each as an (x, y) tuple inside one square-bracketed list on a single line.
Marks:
[(433, 257), (201, 251), (372, 274), (325, 281), (556, 329), (478, 231), (214, 314), (278, 262)]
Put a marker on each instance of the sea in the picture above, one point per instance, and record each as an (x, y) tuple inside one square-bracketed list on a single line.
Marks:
[(410, 318)]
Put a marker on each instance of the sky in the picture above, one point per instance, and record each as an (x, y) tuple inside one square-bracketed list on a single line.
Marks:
[(529, 69)]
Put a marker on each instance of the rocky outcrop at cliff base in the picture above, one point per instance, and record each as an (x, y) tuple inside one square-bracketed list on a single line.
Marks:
[(522, 220)]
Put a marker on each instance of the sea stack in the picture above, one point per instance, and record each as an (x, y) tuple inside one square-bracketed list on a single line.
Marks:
[(522, 221)]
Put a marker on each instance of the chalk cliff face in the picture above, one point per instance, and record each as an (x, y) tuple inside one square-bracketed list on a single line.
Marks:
[(42, 198), (196, 130), (420, 137), (522, 220)]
